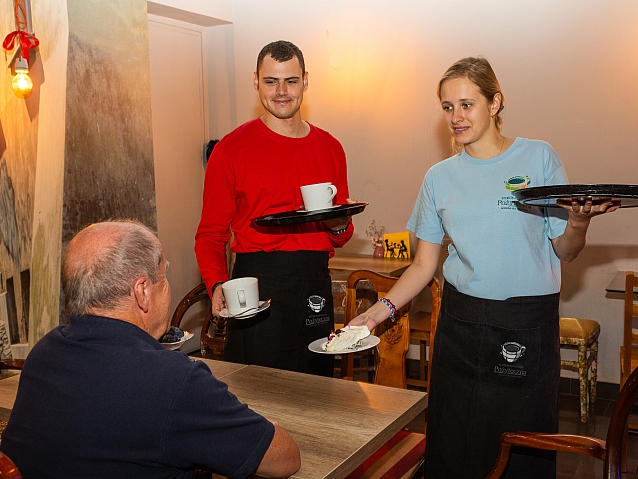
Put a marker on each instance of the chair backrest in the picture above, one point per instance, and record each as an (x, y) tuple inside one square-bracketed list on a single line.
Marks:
[(8, 470), (617, 425), (437, 293), (195, 295), (394, 336), (630, 337), (208, 342)]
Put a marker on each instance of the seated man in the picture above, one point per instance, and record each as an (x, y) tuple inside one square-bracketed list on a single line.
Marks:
[(100, 397)]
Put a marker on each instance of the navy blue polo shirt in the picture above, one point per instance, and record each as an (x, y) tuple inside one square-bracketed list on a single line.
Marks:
[(101, 398)]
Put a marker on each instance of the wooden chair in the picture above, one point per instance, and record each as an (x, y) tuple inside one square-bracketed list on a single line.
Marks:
[(8, 470), (609, 451), (212, 345), (11, 364), (208, 342), (582, 334), (403, 454), (420, 330), (629, 349)]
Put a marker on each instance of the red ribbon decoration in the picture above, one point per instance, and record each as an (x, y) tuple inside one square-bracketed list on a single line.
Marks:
[(27, 40)]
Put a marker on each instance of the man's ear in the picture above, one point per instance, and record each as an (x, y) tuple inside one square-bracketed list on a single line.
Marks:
[(256, 81), (305, 81), (141, 293)]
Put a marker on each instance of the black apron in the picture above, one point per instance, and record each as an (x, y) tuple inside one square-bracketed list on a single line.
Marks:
[(496, 368), (301, 311)]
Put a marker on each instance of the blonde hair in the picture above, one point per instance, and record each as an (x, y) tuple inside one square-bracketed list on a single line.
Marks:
[(479, 71)]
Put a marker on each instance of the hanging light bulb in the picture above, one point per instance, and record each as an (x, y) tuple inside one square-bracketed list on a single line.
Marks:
[(21, 82)]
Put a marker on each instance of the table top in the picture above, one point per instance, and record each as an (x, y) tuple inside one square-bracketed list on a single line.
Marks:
[(342, 264), (336, 423), (617, 284), (8, 391)]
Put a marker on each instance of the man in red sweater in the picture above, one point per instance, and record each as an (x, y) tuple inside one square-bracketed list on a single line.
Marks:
[(257, 170)]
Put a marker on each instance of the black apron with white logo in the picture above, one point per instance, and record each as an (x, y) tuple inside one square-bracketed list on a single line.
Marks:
[(301, 311), (496, 368)]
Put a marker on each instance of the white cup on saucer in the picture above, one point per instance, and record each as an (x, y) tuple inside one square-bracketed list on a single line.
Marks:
[(241, 294), (318, 196)]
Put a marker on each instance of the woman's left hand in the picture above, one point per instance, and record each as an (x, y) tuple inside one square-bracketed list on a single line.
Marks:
[(587, 210)]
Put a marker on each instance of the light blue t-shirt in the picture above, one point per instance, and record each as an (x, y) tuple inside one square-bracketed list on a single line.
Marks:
[(499, 250)]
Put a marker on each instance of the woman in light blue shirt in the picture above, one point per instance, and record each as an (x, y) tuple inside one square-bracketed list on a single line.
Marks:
[(496, 362)]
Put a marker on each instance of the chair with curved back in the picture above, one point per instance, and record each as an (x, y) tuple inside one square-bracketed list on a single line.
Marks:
[(403, 454), (212, 345), (421, 331), (629, 348), (609, 451), (8, 470)]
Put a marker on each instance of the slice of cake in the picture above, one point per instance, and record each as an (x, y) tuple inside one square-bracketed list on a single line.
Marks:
[(346, 338)]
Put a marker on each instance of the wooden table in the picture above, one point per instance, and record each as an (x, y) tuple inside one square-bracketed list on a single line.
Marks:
[(617, 284), (8, 391), (336, 423), (342, 264)]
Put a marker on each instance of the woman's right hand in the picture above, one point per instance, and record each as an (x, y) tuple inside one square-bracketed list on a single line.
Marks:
[(218, 303), (374, 316)]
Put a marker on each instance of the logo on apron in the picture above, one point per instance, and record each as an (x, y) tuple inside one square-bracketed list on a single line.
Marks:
[(316, 303), (512, 351)]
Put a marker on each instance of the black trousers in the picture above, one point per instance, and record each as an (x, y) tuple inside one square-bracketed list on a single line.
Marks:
[(301, 311), (496, 368)]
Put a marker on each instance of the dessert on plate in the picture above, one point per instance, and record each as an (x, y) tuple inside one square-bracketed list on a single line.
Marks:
[(348, 337)]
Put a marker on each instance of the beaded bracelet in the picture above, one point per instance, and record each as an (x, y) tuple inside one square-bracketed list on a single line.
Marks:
[(393, 309)]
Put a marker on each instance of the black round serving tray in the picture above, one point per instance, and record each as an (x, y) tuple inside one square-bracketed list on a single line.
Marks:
[(627, 195), (301, 216)]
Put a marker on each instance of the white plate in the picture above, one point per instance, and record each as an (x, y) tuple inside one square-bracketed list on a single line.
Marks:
[(176, 345), (366, 343), (263, 306)]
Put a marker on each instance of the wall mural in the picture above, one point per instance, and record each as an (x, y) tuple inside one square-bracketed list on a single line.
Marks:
[(109, 142)]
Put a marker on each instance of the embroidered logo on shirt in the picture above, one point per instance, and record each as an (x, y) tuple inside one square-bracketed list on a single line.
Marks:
[(516, 183), (316, 303), (512, 351), (513, 184)]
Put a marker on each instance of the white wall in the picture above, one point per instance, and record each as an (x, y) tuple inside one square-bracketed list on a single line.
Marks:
[(568, 70)]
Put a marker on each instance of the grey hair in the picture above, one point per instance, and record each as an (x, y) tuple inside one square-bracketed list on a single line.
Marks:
[(104, 278)]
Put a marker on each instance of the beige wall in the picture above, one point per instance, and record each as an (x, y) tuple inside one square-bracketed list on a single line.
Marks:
[(568, 70)]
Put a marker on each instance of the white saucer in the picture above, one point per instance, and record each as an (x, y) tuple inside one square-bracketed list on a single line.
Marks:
[(319, 210), (263, 306), (177, 344)]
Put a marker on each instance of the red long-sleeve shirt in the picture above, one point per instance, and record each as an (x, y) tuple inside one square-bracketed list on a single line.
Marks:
[(253, 172)]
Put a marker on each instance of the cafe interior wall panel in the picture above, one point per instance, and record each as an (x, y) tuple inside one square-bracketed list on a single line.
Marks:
[(109, 146), (18, 144), (50, 20)]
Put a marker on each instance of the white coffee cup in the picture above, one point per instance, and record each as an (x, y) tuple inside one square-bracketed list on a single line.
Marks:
[(241, 294), (318, 196)]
